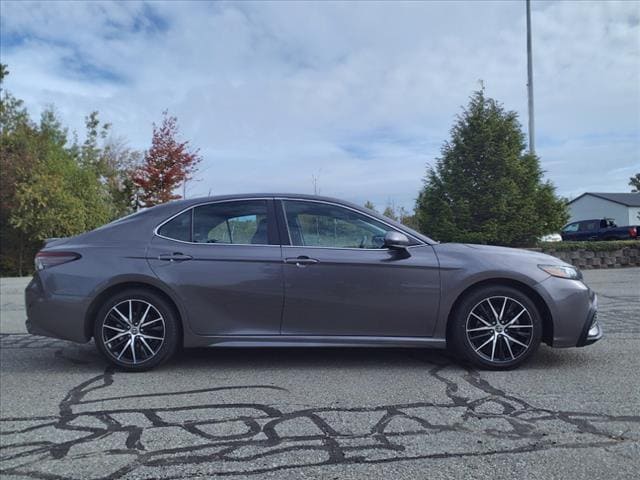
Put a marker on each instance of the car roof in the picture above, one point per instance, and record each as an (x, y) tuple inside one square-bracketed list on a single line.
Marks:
[(239, 196)]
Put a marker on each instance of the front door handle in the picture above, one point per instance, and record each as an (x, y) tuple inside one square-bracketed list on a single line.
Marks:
[(301, 261), (174, 257)]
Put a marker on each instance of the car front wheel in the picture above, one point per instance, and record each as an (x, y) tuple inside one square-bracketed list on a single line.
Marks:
[(496, 327), (136, 330)]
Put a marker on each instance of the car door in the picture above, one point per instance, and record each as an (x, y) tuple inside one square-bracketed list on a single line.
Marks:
[(341, 280), (588, 230), (223, 261)]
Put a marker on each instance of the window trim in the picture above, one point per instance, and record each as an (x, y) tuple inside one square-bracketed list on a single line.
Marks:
[(282, 209), (270, 214)]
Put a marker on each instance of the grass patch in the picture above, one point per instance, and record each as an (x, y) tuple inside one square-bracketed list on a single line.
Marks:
[(588, 246)]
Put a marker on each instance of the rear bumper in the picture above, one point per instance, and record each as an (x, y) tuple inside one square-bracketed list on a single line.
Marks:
[(57, 316)]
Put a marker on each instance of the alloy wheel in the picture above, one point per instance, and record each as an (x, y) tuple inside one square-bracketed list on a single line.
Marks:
[(499, 329), (133, 331)]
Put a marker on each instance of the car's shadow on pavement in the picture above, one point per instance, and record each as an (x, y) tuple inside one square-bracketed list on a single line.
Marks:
[(332, 358), (346, 358), (85, 356)]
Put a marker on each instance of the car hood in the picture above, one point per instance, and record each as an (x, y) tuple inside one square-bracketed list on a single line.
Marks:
[(510, 262), (512, 252), (491, 251)]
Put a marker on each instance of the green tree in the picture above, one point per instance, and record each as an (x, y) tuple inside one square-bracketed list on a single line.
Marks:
[(390, 212), (406, 218), (485, 188), (112, 162), (47, 187), (369, 204), (634, 182), (90, 152), (121, 163), (17, 157), (59, 196)]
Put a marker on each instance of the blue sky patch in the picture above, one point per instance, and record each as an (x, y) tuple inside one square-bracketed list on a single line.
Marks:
[(76, 66)]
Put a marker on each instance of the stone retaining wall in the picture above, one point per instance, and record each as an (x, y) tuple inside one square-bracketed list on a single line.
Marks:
[(586, 259)]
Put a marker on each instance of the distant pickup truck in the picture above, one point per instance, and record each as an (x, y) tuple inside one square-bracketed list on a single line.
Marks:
[(598, 229)]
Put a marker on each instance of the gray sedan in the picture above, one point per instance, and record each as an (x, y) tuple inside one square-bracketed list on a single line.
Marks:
[(278, 270)]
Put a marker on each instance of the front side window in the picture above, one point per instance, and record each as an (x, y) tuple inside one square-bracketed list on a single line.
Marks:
[(315, 224), (238, 223), (572, 227)]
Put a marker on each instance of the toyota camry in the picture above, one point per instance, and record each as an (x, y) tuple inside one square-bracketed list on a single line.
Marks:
[(278, 270)]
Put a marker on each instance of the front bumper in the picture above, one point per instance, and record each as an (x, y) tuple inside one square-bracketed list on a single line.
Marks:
[(573, 307), (592, 331), (51, 315)]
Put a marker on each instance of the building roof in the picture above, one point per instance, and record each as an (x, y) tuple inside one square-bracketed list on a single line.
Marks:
[(627, 199)]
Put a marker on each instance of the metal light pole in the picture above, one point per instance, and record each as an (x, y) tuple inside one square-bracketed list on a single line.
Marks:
[(532, 148)]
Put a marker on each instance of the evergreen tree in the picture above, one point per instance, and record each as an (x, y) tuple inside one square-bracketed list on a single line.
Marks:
[(485, 188)]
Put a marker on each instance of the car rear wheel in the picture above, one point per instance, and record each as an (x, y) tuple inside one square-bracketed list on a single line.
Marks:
[(496, 327), (136, 330)]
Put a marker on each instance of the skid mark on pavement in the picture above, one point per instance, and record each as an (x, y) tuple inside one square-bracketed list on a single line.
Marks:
[(195, 433)]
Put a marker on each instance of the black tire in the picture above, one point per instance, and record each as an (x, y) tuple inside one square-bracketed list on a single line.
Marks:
[(138, 357), (502, 353)]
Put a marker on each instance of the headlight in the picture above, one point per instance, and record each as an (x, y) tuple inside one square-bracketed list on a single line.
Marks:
[(562, 271)]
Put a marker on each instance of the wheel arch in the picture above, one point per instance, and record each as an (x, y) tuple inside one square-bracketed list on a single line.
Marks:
[(541, 305), (122, 285)]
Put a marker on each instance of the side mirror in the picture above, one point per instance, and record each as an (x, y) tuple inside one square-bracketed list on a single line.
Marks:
[(394, 239)]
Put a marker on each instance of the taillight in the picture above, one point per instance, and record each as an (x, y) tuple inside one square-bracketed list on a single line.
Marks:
[(633, 233), (51, 259)]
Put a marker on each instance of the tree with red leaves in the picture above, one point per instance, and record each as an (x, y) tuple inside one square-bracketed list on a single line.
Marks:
[(166, 165)]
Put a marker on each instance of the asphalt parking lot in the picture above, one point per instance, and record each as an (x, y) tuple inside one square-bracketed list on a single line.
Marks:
[(326, 413)]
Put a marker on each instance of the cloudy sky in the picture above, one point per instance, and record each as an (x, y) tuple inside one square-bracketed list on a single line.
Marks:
[(360, 95)]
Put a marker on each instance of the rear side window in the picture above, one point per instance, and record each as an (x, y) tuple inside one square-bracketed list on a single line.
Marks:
[(589, 226), (238, 223), (178, 228)]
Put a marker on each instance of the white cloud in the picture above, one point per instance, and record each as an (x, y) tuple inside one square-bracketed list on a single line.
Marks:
[(362, 94)]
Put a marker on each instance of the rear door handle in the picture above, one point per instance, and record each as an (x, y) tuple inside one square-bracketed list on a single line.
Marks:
[(301, 261), (174, 257)]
